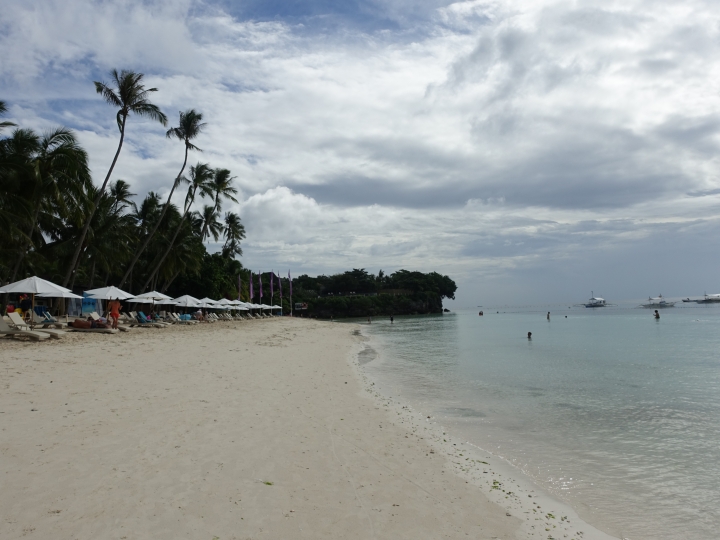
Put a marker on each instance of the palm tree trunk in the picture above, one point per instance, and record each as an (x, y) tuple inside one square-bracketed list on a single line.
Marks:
[(169, 282), (167, 251), (157, 224), (25, 248), (81, 240)]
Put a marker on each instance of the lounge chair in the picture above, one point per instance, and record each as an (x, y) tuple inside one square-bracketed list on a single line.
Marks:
[(45, 323), (143, 321), (96, 318), (21, 324), (5, 330), (176, 318)]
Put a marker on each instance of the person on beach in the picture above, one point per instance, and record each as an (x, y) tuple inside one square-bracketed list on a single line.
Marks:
[(114, 308), (657, 314)]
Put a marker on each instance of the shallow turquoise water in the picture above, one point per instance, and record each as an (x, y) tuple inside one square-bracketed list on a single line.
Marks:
[(608, 409)]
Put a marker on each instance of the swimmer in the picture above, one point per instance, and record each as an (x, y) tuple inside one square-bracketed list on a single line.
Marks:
[(548, 316), (529, 335), (392, 319), (657, 314)]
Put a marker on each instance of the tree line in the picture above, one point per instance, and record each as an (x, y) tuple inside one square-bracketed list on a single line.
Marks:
[(59, 225)]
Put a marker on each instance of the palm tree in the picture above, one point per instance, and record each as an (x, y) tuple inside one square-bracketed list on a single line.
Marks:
[(201, 177), (58, 169), (207, 221), (222, 186), (3, 110), (234, 233), (129, 95), (190, 127)]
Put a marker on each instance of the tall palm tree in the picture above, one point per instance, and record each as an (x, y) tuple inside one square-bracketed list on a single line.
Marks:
[(129, 95), (3, 110), (58, 169), (234, 233), (208, 222), (222, 186), (201, 177), (190, 127)]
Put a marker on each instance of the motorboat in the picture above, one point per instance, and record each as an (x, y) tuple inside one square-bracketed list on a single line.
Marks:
[(595, 301), (657, 303), (709, 299)]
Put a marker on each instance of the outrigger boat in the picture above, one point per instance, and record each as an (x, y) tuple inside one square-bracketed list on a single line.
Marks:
[(657, 303), (595, 301)]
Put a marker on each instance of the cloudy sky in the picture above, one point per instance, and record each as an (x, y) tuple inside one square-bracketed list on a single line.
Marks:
[(533, 150)]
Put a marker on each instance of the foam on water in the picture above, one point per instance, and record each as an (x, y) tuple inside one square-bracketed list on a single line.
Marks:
[(608, 410)]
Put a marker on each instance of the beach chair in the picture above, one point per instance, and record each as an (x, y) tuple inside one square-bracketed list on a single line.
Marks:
[(44, 323), (96, 318), (144, 321), (20, 324), (6, 330), (180, 320)]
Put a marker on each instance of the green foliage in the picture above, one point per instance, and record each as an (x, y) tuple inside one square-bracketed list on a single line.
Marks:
[(357, 293)]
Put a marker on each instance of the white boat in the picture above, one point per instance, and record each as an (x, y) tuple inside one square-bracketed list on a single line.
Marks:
[(657, 303), (595, 301)]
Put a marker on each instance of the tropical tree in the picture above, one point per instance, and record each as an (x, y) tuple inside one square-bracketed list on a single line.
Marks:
[(208, 222), (189, 128), (3, 111), (57, 170), (223, 189), (234, 233), (201, 176), (129, 95)]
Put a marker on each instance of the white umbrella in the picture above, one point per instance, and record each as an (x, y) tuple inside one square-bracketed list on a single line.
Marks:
[(208, 300), (108, 293), (60, 295), (186, 301), (33, 285), (140, 300), (276, 307), (154, 295)]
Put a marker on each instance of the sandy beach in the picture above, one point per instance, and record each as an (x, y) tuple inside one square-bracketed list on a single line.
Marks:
[(240, 430)]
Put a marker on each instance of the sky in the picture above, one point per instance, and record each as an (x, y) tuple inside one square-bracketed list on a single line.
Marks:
[(532, 150)]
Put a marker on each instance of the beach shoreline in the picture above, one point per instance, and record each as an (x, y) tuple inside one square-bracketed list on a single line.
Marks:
[(501, 481), (238, 430)]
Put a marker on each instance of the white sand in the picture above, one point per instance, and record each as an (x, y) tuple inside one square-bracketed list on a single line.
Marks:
[(259, 429)]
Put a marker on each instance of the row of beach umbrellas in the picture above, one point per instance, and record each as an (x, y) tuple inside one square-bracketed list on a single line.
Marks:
[(45, 289)]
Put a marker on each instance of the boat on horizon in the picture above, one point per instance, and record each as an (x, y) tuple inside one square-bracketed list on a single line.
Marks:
[(657, 303), (595, 301)]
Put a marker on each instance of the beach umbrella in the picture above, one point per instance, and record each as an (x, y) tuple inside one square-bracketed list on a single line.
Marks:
[(60, 295), (33, 285), (154, 296), (208, 300), (186, 301), (108, 293), (140, 300)]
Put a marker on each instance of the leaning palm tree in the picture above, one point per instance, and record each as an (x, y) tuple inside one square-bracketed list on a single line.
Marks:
[(190, 127), (223, 188), (234, 233), (3, 110), (58, 169), (129, 95), (201, 177), (208, 222)]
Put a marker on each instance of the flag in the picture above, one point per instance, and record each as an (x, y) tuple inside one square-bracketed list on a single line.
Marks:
[(260, 282), (252, 293), (290, 280), (280, 286), (272, 282)]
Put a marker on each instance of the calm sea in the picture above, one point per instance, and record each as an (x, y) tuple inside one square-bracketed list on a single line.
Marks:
[(609, 410)]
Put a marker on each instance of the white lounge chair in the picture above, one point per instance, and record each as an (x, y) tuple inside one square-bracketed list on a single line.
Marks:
[(6, 330), (20, 324)]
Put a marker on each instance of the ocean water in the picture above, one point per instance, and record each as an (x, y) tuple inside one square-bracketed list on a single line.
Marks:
[(609, 410)]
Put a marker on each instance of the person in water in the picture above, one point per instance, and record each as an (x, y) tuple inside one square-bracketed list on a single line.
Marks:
[(529, 335), (392, 319), (114, 308), (657, 314), (548, 316)]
